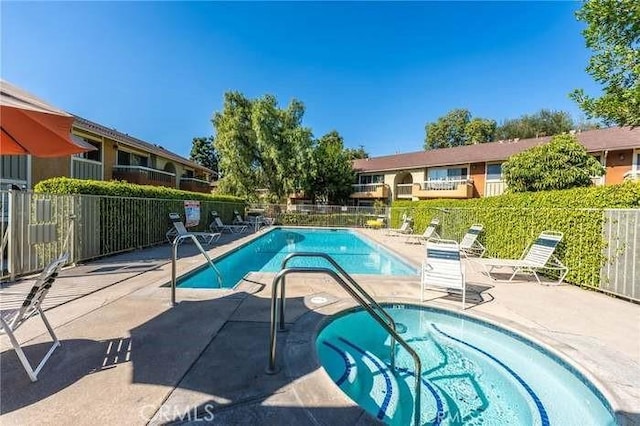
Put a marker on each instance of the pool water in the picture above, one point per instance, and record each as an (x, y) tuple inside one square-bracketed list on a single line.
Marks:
[(473, 373), (353, 252)]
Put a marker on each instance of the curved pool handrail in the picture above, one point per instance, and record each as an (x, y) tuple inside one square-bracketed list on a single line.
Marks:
[(174, 258), (351, 281), (279, 279)]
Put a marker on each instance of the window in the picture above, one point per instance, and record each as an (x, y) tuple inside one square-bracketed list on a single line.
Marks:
[(95, 155), (369, 179), (447, 173), (636, 160), (130, 159), (494, 171)]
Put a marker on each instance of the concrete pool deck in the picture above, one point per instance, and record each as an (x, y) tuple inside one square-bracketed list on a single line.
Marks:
[(127, 357)]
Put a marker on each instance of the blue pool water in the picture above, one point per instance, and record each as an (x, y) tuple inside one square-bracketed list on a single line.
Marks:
[(473, 373), (351, 251)]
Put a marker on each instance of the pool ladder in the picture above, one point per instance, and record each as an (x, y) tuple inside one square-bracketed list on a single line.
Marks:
[(359, 295), (174, 258)]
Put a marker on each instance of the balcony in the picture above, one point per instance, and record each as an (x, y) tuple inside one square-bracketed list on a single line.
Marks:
[(404, 190), (633, 175), (144, 176), (370, 190), (459, 188), (195, 185), (82, 168)]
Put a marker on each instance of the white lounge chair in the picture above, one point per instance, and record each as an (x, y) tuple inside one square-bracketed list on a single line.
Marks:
[(404, 229), (430, 232), (12, 319), (254, 222), (470, 246), (538, 257), (180, 229), (442, 268), (218, 226)]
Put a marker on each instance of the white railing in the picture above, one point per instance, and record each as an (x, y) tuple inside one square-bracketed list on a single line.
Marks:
[(442, 185), (494, 187), (367, 187), (632, 175), (82, 168), (404, 189)]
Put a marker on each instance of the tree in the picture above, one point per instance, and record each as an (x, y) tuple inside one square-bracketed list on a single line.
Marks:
[(203, 153), (613, 33), (357, 153), (457, 128), (542, 123), (560, 164), (333, 175), (261, 146)]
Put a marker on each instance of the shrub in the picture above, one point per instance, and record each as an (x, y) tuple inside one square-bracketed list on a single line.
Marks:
[(511, 221), (560, 164)]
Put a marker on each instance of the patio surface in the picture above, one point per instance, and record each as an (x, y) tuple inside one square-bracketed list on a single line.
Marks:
[(127, 357)]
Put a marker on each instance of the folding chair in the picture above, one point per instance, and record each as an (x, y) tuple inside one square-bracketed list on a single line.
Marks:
[(470, 246), (430, 232), (442, 267), (537, 257), (12, 319), (218, 226), (180, 229)]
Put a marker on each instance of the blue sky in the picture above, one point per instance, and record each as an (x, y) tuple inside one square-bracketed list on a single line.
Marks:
[(376, 72)]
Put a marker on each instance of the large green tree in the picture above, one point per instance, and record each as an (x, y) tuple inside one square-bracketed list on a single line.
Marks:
[(357, 153), (542, 123), (203, 153), (613, 33), (457, 128), (560, 164), (261, 145), (332, 173)]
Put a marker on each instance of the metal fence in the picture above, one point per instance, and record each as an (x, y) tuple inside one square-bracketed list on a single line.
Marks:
[(34, 227)]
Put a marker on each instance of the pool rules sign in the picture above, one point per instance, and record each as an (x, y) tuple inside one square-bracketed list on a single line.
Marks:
[(192, 213)]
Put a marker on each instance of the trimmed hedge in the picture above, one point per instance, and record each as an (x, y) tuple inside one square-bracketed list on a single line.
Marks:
[(132, 216), (337, 219), (512, 221)]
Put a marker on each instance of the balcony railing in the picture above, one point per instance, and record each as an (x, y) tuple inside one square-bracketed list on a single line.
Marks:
[(632, 175), (370, 190), (144, 176), (494, 187), (83, 168), (404, 190), (450, 188), (195, 185)]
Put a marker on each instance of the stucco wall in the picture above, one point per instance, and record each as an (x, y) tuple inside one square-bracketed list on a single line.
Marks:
[(618, 163), (477, 173), (45, 168)]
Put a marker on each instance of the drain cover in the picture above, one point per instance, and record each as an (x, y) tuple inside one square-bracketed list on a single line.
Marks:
[(318, 300)]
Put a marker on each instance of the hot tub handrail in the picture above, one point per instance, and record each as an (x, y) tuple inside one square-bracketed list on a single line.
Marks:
[(279, 279), (174, 258), (351, 281)]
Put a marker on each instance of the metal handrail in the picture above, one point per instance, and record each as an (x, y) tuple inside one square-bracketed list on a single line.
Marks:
[(174, 258), (279, 278), (351, 281)]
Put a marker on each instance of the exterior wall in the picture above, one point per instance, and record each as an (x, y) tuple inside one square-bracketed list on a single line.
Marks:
[(477, 172), (109, 157), (392, 178), (618, 163), (45, 168)]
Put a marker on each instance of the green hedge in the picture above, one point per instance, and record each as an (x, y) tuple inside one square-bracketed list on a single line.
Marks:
[(130, 215), (338, 219), (512, 221)]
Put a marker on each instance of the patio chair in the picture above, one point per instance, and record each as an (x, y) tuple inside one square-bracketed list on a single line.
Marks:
[(255, 222), (442, 268), (539, 256), (218, 226), (430, 232), (12, 319), (404, 229), (470, 246), (180, 229)]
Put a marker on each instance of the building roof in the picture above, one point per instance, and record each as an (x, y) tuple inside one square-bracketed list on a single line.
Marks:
[(613, 138), (90, 126)]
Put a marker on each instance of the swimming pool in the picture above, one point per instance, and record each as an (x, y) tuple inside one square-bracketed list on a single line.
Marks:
[(472, 372), (355, 253)]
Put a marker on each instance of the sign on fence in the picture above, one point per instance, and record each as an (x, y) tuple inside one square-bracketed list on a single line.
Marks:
[(192, 213)]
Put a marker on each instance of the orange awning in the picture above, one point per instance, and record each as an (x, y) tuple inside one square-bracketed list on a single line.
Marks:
[(31, 126)]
